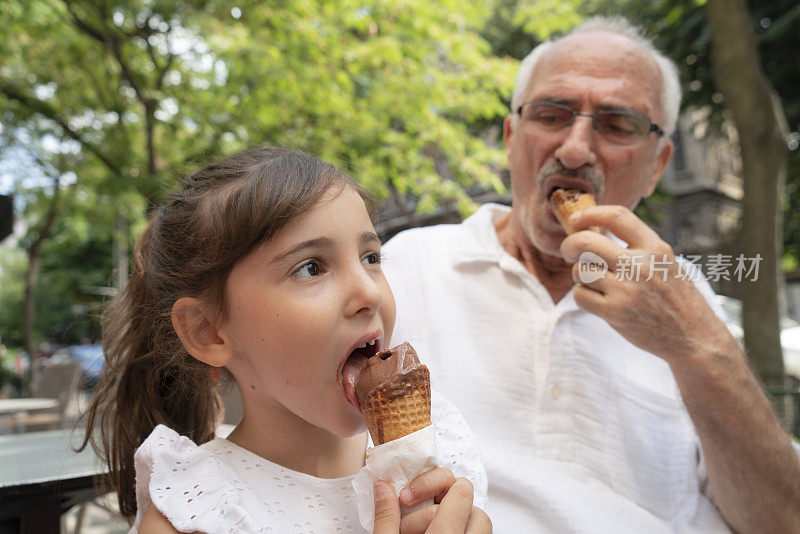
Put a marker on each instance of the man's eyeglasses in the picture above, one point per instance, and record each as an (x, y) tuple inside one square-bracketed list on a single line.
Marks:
[(617, 126)]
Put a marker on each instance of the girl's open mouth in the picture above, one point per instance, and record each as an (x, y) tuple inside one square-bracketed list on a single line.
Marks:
[(353, 366)]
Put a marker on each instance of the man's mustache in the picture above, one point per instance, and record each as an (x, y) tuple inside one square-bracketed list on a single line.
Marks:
[(588, 174)]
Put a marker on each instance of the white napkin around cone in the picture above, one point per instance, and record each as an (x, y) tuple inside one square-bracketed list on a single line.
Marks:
[(397, 462)]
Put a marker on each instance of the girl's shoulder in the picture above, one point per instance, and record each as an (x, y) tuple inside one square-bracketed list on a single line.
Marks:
[(221, 487), (189, 485)]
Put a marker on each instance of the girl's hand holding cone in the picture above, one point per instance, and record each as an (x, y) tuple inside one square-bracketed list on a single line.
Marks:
[(453, 512)]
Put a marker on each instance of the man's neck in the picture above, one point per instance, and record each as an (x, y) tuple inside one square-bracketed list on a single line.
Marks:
[(552, 272)]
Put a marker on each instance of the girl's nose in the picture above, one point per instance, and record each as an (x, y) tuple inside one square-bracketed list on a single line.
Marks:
[(364, 294)]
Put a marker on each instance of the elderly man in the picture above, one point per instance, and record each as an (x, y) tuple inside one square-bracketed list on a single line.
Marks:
[(605, 403)]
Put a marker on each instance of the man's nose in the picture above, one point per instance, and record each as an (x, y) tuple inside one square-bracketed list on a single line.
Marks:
[(579, 145), (364, 295)]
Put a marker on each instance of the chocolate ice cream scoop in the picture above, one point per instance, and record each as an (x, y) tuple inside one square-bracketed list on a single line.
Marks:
[(388, 370), (394, 393)]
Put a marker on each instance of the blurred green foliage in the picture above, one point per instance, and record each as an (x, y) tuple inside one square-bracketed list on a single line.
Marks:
[(119, 99), (137, 93)]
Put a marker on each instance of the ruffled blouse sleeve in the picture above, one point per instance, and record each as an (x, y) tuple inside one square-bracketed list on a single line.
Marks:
[(188, 485)]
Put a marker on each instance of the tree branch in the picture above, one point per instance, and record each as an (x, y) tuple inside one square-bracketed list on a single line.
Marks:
[(162, 74), (42, 108), (110, 42)]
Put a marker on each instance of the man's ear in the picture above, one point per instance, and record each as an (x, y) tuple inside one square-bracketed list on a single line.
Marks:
[(508, 131), (662, 159), (198, 334)]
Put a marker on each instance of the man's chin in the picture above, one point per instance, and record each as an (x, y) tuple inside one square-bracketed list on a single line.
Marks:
[(545, 238)]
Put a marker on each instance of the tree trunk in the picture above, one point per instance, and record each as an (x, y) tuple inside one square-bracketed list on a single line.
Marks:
[(32, 280), (29, 304), (760, 122)]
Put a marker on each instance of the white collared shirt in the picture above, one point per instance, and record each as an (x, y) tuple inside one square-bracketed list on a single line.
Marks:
[(580, 431)]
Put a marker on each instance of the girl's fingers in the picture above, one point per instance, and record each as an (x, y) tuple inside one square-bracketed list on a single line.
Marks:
[(454, 510), (387, 509), (417, 522), (432, 484), (479, 522)]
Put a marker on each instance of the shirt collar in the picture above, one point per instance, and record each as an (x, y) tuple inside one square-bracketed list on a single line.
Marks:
[(482, 244)]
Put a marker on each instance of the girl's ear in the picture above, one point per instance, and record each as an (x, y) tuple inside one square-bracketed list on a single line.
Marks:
[(198, 334)]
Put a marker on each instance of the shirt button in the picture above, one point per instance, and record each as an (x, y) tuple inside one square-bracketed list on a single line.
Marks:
[(555, 393)]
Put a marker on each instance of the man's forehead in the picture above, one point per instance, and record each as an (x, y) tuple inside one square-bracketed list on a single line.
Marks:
[(600, 43), (600, 55)]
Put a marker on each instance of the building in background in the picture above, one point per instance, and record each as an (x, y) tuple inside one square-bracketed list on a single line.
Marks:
[(703, 187)]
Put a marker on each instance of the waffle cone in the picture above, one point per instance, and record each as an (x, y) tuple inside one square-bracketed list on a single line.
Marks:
[(390, 415), (563, 208)]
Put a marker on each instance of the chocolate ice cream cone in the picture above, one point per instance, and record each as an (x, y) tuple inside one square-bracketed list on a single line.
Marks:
[(399, 407), (565, 202)]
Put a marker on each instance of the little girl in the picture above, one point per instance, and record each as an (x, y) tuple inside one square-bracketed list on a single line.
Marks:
[(263, 268)]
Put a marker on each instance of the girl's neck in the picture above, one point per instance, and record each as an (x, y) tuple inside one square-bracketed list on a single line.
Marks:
[(300, 447)]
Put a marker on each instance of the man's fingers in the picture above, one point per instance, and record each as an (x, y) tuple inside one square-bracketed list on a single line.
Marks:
[(619, 220), (575, 246), (432, 484), (387, 509), (590, 300), (593, 275)]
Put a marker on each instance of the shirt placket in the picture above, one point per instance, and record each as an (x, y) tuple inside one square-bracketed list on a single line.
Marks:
[(549, 394)]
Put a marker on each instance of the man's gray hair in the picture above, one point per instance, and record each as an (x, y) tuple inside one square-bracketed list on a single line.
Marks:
[(670, 82)]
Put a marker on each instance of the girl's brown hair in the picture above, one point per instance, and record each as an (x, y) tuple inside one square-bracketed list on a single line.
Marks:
[(220, 214)]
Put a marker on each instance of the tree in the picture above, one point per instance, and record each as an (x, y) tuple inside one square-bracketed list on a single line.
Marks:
[(396, 92), (33, 253), (54, 207), (387, 90), (759, 119), (76, 73)]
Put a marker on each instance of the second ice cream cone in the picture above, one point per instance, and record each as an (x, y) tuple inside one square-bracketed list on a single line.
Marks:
[(565, 202)]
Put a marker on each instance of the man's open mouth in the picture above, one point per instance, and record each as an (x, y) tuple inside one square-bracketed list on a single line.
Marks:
[(578, 186)]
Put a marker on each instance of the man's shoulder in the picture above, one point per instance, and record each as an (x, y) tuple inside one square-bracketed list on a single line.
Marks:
[(422, 248), (471, 234), (414, 237)]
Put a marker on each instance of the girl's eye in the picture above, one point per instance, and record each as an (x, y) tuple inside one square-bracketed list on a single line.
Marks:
[(371, 258), (310, 268)]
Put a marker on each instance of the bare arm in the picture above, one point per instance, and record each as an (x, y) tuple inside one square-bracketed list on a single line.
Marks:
[(154, 522), (753, 469)]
